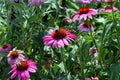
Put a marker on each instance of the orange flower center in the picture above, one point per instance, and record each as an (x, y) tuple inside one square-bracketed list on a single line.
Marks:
[(83, 10), (87, 24), (4, 46), (22, 66), (59, 34), (13, 54), (108, 7)]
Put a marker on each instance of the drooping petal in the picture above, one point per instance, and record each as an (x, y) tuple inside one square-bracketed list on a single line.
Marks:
[(26, 73), (65, 42), (60, 43), (31, 70), (13, 75)]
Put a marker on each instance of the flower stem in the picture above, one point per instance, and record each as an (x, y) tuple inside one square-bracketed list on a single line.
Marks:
[(64, 62)]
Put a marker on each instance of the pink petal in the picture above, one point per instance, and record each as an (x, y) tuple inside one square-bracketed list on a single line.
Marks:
[(13, 75), (90, 16), (19, 77), (50, 42), (23, 76), (54, 44), (81, 17), (26, 73), (85, 17), (31, 70), (13, 70), (60, 43), (65, 41), (75, 17), (33, 66)]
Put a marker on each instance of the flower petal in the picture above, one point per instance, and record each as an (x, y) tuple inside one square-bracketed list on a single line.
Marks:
[(13, 75)]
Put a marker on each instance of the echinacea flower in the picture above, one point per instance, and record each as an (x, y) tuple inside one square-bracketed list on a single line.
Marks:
[(22, 69), (85, 26), (84, 1), (94, 54), (92, 78), (14, 56), (5, 48), (87, 79), (58, 38), (108, 9), (35, 2), (84, 13), (95, 78)]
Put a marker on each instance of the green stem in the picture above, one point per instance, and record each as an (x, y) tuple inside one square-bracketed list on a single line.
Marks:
[(114, 22), (64, 62)]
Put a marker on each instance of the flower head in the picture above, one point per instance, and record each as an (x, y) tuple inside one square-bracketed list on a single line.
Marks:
[(86, 26), (94, 54), (59, 37), (108, 9), (14, 56), (22, 69), (5, 48), (84, 1), (83, 13), (35, 2), (95, 78)]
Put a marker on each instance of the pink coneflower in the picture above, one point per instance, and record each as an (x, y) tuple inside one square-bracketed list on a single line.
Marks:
[(108, 9), (94, 54), (84, 1), (60, 37), (14, 56), (95, 78), (22, 69), (83, 13), (5, 48), (35, 2), (86, 26)]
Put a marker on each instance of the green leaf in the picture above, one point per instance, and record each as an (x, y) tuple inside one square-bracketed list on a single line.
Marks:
[(107, 28), (115, 71), (61, 65), (55, 68)]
